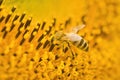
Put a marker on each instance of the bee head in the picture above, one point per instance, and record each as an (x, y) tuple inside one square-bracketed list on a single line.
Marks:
[(58, 35)]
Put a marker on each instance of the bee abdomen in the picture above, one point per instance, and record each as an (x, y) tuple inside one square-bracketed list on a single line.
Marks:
[(85, 46), (82, 44)]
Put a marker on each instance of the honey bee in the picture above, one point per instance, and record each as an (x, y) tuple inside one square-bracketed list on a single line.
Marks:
[(73, 38)]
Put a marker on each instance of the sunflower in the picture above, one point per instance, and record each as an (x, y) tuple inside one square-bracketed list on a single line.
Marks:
[(29, 52)]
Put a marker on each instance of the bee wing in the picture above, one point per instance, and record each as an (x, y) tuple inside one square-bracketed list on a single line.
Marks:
[(77, 28), (73, 37)]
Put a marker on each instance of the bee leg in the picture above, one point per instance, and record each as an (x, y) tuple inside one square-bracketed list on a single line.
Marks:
[(70, 49)]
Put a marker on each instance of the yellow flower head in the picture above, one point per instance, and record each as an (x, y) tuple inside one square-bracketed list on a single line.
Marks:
[(29, 49)]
